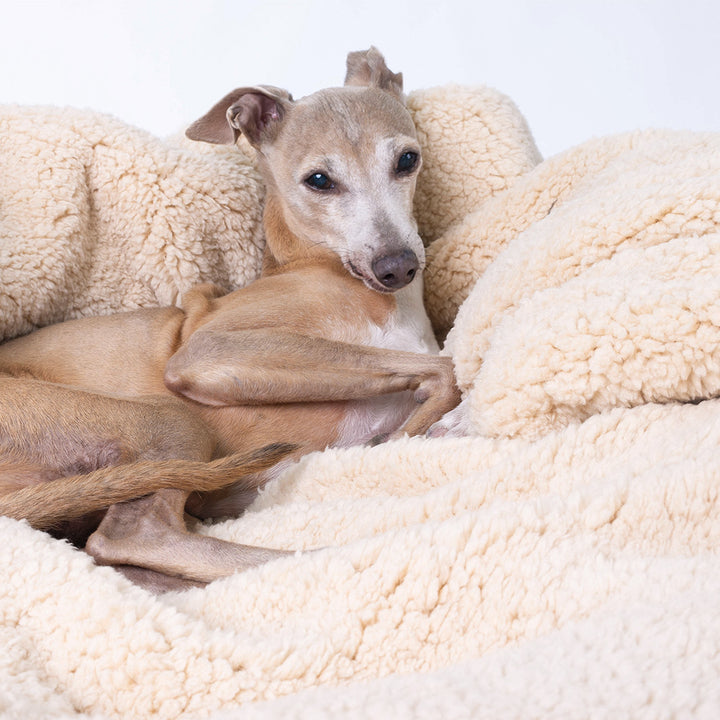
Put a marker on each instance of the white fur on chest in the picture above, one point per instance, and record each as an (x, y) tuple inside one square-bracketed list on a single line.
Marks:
[(408, 329)]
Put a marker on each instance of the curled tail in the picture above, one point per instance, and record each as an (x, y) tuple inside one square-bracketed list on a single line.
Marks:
[(45, 504)]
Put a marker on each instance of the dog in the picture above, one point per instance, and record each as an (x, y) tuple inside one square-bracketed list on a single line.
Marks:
[(115, 429)]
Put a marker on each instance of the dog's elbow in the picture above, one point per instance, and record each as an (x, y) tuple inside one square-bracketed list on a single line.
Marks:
[(174, 381), (177, 377), (207, 386)]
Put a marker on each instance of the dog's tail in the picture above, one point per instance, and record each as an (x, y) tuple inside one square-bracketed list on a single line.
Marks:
[(47, 503)]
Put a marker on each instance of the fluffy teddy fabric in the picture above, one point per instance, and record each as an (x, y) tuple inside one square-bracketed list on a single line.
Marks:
[(561, 561), (97, 217), (607, 294)]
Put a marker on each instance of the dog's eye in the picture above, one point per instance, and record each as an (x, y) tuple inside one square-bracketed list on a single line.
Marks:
[(406, 162), (319, 181)]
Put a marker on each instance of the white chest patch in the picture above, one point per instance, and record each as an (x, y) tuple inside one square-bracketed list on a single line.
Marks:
[(408, 329)]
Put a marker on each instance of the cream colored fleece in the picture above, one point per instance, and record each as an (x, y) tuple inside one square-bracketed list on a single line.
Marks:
[(97, 216), (608, 293), (563, 565)]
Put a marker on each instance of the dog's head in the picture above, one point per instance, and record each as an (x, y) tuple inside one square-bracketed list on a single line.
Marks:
[(340, 166)]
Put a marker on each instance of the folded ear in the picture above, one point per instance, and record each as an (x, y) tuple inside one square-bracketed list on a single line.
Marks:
[(256, 112), (367, 68)]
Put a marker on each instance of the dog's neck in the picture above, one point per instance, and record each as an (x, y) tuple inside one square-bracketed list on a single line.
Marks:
[(284, 248)]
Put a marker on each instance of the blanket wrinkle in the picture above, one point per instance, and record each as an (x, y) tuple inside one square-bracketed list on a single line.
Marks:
[(561, 561), (475, 144), (99, 217)]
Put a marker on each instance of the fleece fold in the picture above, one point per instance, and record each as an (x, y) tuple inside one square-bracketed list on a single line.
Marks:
[(561, 560)]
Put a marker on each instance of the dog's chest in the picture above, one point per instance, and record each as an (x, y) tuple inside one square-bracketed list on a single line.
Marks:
[(408, 329)]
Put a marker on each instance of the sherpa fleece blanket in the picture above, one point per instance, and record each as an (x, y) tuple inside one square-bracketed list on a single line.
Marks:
[(559, 561)]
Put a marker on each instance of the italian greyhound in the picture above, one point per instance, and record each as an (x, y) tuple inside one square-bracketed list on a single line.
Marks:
[(141, 420)]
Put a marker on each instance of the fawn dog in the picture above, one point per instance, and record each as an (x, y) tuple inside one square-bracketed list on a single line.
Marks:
[(115, 429)]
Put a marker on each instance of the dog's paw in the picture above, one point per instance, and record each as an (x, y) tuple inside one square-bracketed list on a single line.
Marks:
[(455, 423)]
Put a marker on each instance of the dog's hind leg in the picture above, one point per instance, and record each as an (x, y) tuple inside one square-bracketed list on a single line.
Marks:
[(151, 533), (60, 431), (156, 582)]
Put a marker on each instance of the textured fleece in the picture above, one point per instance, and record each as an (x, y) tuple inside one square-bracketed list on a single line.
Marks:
[(562, 561), (97, 216)]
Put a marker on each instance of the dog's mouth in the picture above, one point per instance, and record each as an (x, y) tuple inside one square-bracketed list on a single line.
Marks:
[(369, 280), (386, 282)]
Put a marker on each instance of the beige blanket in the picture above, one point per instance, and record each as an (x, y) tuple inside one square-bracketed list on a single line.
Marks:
[(561, 562)]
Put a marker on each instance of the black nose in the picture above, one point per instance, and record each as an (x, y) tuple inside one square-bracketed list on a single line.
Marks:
[(396, 271)]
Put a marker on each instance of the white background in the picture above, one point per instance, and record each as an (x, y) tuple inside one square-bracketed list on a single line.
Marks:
[(576, 69)]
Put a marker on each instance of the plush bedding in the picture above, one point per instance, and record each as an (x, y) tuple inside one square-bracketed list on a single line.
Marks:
[(561, 560)]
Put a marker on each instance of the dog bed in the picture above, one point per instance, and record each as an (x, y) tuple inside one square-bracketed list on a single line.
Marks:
[(560, 561)]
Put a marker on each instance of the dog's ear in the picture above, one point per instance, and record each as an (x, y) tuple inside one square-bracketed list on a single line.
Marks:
[(367, 68), (256, 112)]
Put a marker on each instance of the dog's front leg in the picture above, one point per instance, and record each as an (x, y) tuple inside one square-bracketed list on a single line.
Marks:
[(267, 366)]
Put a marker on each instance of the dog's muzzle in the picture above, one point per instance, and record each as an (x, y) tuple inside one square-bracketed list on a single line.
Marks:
[(397, 270)]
